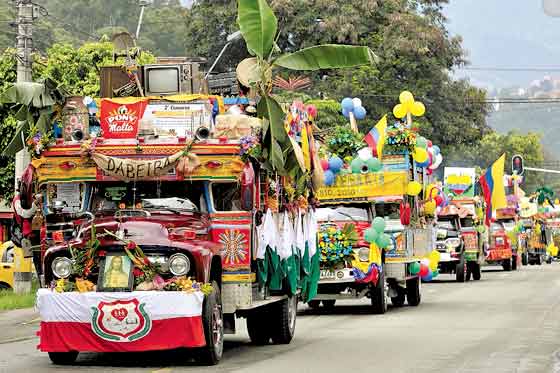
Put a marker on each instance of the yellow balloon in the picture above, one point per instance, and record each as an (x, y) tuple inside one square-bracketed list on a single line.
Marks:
[(418, 109), (433, 265), (399, 111), (406, 98), (414, 188), (430, 208), (435, 255), (420, 155)]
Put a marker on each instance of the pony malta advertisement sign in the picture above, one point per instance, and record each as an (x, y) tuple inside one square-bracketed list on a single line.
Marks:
[(459, 181), (119, 119)]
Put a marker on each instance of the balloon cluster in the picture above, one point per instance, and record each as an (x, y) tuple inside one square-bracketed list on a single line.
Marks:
[(427, 269), (365, 162), (408, 105), (376, 234), (354, 106), (332, 167), (427, 155), (435, 199)]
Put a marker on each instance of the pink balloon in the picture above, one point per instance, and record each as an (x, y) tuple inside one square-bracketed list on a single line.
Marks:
[(312, 111), (424, 270), (325, 164)]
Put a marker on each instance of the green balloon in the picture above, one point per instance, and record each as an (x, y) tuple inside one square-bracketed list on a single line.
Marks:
[(356, 165), (383, 240), (370, 235), (421, 142), (379, 224), (434, 273), (374, 164), (414, 268)]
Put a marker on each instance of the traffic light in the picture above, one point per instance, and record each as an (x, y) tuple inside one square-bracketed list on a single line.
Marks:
[(517, 165)]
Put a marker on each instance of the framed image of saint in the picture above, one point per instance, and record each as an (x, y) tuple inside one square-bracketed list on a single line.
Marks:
[(115, 273)]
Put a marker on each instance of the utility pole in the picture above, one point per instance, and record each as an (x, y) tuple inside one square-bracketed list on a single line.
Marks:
[(24, 46)]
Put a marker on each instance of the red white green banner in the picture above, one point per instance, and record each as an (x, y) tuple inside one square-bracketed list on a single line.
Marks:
[(119, 322)]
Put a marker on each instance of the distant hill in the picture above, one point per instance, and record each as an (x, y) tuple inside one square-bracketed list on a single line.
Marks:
[(505, 33)]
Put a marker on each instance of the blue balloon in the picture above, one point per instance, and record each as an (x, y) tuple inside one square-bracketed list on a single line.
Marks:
[(329, 178), (360, 112), (428, 277), (347, 104), (436, 149), (346, 113), (335, 164)]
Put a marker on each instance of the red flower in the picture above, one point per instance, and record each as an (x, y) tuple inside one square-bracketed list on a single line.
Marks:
[(101, 253), (131, 245), (146, 261), (137, 272)]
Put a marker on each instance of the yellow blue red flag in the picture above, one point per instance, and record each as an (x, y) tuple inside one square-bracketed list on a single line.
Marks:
[(492, 185)]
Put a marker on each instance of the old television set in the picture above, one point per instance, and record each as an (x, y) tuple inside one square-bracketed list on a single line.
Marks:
[(171, 79)]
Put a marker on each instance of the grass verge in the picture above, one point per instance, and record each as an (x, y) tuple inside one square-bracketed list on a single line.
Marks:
[(11, 301)]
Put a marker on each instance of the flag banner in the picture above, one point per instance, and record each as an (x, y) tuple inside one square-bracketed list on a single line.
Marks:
[(377, 137), (120, 321), (492, 185)]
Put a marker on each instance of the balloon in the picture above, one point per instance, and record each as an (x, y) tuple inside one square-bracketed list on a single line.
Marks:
[(428, 277), (379, 224), (370, 235), (430, 208), (406, 98), (356, 165), (383, 240), (433, 265), (436, 149), (325, 164), (435, 273), (399, 111), (360, 112), (357, 102), (346, 113), (430, 144), (365, 154), (420, 155), (335, 164), (414, 188), (418, 109), (347, 104), (414, 268), (429, 172), (421, 142), (329, 177), (423, 164), (312, 111), (424, 270), (374, 164), (348, 159), (439, 201), (425, 261), (435, 255)]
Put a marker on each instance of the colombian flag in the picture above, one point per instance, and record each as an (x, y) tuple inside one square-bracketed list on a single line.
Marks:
[(376, 137), (492, 185)]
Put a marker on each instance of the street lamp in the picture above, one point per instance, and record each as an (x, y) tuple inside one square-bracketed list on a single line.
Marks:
[(230, 39), (143, 4)]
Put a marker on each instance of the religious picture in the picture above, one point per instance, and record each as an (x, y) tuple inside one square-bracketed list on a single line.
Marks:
[(116, 273)]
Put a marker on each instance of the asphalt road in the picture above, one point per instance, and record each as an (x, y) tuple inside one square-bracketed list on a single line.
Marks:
[(507, 322)]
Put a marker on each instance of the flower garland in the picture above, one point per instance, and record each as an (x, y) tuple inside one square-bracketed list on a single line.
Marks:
[(250, 148), (337, 245)]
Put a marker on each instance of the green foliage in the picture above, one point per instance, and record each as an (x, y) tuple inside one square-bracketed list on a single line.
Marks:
[(344, 142), (258, 24), (76, 71)]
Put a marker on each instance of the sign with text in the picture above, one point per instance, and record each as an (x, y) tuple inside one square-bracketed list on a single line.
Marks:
[(371, 185), (120, 121)]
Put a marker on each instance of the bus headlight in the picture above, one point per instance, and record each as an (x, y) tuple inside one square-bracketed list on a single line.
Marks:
[(179, 264), (62, 267), (363, 254)]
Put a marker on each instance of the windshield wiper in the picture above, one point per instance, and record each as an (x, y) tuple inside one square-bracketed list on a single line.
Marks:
[(166, 208), (347, 215)]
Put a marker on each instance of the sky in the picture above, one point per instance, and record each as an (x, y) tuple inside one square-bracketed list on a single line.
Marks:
[(506, 34)]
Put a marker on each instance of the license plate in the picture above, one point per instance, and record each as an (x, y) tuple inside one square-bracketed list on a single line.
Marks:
[(327, 275)]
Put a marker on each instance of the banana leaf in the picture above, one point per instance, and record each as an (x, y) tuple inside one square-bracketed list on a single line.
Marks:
[(328, 56), (258, 25)]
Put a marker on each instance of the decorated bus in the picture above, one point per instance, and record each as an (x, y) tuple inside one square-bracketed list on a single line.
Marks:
[(154, 226)]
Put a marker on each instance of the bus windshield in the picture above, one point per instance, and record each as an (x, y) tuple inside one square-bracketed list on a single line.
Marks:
[(342, 213)]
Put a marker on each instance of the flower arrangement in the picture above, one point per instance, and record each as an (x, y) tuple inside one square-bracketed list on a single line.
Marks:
[(188, 285), (337, 245), (37, 142), (250, 148), (400, 138), (344, 142)]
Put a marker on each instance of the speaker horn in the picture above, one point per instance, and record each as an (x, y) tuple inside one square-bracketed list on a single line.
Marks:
[(202, 133), (77, 135)]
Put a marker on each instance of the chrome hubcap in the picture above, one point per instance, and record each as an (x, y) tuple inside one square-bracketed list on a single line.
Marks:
[(292, 311), (217, 328)]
